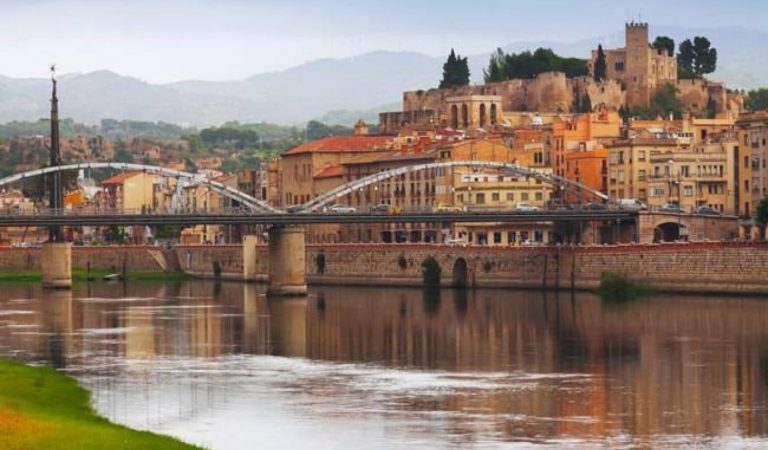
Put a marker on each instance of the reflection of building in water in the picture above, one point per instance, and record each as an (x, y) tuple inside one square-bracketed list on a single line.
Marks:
[(653, 367), (140, 333)]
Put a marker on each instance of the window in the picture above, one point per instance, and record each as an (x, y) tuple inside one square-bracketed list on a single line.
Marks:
[(641, 155), (510, 196), (480, 199), (688, 191), (524, 197), (657, 192), (641, 175), (460, 198), (619, 66), (497, 237), (511, 237), (539, 196), (495, 197)]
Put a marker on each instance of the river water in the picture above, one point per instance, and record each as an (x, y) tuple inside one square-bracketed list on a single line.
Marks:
[(222, 366)]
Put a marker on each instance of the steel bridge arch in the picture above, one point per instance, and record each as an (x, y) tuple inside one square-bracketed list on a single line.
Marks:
[(247, 200), (334, 194)]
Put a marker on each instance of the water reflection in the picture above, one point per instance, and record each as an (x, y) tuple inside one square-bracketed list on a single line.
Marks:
[(225, 366)]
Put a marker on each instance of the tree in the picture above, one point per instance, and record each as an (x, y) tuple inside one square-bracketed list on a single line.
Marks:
[(121, 152), (757, 99), (705, 56), (495, 71), (600, 67), (711, 108), (665, 102), (455, 71), (190, 166), (685, 59), (586, 104), (664, 43), (697, 58), (761, 213)]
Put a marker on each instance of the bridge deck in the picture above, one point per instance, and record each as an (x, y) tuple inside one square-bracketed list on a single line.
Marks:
[(78, 218)]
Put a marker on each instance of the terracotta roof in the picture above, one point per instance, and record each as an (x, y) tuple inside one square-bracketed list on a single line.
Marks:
[(119, 178), (340, 144), (329, 172)]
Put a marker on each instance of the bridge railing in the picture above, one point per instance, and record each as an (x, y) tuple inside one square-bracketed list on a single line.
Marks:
[(235, 211)]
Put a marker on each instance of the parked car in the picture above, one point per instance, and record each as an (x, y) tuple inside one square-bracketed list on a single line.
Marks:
[(591, 206), (381, 208), (632, 204), (671, 208), (444, 207), (341, 209), (707, 211), (526, 207)]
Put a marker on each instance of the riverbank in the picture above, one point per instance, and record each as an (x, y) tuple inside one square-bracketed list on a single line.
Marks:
[(81, 275), (43, 409)]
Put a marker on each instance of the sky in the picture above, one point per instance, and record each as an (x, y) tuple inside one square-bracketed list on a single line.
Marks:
[(171, 40)]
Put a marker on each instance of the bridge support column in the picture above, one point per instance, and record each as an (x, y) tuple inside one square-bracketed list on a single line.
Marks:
[(56, 265), (249, 258), (287, 261)]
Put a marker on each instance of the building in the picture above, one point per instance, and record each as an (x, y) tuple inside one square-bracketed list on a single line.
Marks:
[(753, 141), (128, 191), (658, 171), (638, 66)]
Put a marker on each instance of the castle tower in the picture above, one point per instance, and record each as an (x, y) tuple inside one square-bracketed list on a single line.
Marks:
[(638, 77), (636, 35)]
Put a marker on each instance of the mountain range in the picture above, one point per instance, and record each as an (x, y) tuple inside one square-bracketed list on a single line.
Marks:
[(331, 90)]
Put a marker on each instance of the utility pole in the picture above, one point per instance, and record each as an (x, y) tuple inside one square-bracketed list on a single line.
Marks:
[(56, 202)]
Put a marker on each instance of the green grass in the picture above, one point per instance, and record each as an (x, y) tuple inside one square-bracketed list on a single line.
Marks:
[(80, 275), (43, 409)]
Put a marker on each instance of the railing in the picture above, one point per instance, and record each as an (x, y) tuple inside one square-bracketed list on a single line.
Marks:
[(235, 211)]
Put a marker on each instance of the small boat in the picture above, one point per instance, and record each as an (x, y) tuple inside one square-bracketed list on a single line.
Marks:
[(113, 277)]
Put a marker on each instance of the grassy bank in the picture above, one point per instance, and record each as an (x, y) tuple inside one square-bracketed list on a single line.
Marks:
[(80, 275), (43, 409)]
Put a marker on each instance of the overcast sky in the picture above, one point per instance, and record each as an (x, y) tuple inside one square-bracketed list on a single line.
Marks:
[(171, 40)]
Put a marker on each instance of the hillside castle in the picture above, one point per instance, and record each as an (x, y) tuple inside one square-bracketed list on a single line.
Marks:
[(633, 74)]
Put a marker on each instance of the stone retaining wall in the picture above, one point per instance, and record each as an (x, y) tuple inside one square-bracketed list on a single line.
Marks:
[(695, 267)]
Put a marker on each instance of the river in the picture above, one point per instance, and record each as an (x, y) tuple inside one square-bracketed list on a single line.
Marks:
[(222, 366)]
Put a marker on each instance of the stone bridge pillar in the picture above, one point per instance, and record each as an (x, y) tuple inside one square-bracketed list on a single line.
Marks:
[(56, 265), (249, 258), (287, 261)]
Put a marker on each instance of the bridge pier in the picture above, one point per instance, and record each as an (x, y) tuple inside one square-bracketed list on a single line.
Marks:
[(250, 263), (56, 265), (287, 261)]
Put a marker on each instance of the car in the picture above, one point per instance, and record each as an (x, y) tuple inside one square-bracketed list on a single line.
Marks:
[(671, 208), (526, 207), (381, 208), (631, 204), (444, 207), (591, 206), (341, 209), (707, 211)]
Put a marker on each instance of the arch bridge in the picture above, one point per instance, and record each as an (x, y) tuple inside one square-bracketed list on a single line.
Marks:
[(581, 190)]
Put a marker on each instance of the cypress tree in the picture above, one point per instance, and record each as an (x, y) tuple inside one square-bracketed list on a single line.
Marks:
[(600, 67)]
